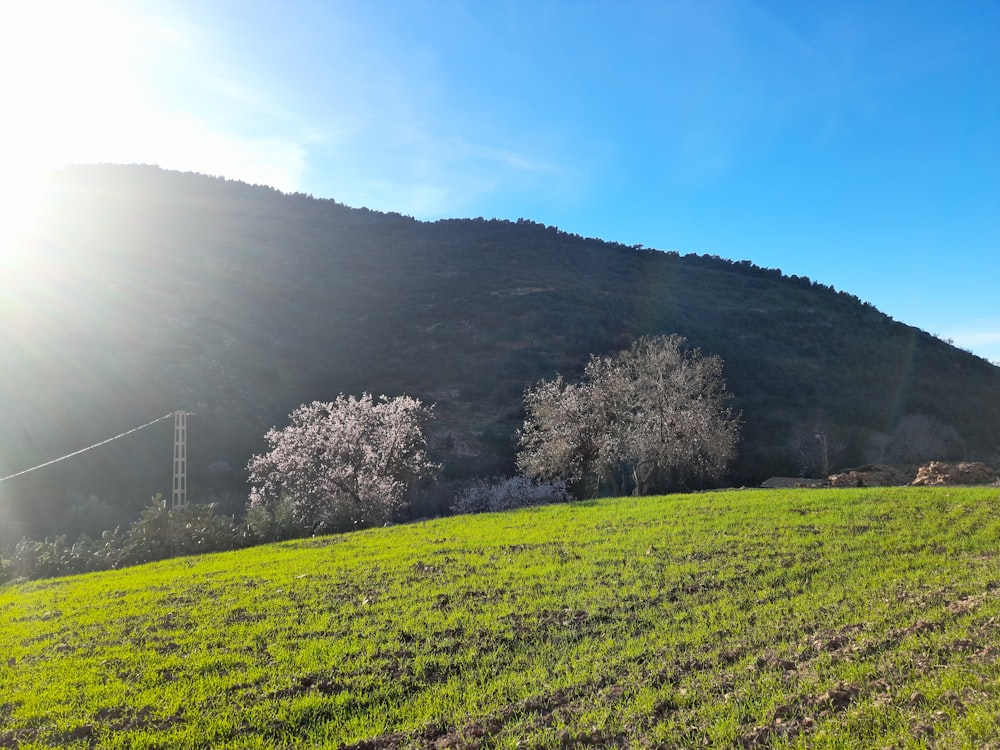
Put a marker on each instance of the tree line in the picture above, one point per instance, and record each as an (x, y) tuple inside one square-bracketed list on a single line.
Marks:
[(648, 419)]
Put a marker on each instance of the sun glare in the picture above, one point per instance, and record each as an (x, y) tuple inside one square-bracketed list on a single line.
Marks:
[(21, 195), (110, 81), (63, 82)]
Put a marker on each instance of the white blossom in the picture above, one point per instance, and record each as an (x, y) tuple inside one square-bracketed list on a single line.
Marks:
[(344, 463), (646, 419)]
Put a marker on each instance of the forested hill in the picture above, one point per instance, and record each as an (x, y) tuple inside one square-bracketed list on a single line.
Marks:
[(148, 291)]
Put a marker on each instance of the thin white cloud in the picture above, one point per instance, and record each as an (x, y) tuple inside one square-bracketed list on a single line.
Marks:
[(110, 83), (982, 337), (149, 85), (412, 170), (979, 338), (187, 143)]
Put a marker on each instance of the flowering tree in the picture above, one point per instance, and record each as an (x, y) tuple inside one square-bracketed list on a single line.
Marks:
[(645, 419), (344, 463), (568, 435)]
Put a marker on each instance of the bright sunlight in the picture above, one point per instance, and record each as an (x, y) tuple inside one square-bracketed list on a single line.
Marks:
[(69, 95), (112, 82)]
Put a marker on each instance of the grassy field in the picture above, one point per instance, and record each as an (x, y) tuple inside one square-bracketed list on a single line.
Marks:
[(790, 618)]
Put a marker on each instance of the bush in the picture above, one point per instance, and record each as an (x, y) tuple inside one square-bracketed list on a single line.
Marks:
[(161, 533), (158, 534), (274, 523), (487, 496)]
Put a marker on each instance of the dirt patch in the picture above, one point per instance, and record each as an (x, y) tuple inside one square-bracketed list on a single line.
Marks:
[(474, 733), (12, 739), (791, 720), (306, 684), (242, 615), (121, 719)]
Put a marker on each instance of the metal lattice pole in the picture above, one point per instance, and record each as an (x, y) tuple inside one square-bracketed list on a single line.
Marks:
[(179, 498), (824, 456)]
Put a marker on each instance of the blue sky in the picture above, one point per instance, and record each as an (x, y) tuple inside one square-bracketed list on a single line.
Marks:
[(856, 143)]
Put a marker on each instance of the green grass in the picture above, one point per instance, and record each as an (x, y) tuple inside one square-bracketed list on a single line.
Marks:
[(823, 618)]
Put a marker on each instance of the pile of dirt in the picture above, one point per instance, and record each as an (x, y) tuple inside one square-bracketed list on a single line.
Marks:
[(940, 473), (874, 475)]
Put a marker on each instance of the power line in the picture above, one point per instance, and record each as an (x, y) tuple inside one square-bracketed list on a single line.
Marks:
[(88, 448)]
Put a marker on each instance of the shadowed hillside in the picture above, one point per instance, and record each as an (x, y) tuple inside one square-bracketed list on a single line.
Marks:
[(148, 291)]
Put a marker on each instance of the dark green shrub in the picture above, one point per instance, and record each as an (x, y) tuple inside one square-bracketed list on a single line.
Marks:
[(158, 534), (274, 523)]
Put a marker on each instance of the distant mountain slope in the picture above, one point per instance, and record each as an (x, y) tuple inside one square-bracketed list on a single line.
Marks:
[(150, 291)]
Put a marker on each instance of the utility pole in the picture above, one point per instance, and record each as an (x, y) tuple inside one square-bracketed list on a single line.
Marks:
[(824, 456), (179, 498)]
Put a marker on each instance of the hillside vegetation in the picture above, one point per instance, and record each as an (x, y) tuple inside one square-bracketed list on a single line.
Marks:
[(145, 291), (825, 618)]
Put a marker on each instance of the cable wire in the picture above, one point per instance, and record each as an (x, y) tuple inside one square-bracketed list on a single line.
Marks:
[(88, 448)]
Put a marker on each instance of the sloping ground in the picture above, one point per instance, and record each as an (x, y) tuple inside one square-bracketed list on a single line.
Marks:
[(821, 618)]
